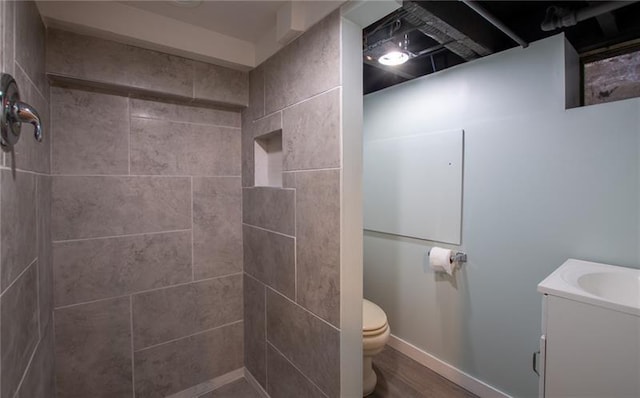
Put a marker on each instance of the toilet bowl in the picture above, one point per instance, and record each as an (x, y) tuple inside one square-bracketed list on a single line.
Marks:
[(375, 334)]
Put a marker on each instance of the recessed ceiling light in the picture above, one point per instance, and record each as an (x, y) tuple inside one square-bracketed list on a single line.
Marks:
[(394, 58), (186, 3)]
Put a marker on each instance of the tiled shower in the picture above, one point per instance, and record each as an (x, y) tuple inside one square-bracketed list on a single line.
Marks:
[(139, 259)]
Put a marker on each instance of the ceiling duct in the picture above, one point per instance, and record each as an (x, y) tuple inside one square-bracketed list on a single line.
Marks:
[(445, 34), (558, 17)]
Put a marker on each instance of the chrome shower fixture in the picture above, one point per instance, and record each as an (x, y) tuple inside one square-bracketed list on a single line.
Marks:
[(14, 113)]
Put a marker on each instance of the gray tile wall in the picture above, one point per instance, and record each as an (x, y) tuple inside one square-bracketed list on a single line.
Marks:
[(99, 62), (146, 227), (292, 234), (26, 294)]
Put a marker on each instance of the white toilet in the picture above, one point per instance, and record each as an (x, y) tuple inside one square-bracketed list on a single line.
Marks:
[(375, 334)]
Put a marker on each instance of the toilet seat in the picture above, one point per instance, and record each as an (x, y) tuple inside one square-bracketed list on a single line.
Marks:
[(375, 329), (373, 318)]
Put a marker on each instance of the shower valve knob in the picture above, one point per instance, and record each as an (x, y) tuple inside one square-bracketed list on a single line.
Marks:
[(14, 113)]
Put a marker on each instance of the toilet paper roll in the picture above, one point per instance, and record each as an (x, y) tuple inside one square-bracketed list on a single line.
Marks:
[(440, 260)]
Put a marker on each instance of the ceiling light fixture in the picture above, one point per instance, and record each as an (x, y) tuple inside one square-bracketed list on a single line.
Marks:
[(394, 58), (397, 57)]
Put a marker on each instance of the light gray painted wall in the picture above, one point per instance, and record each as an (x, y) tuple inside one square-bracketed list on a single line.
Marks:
[(541, 184)]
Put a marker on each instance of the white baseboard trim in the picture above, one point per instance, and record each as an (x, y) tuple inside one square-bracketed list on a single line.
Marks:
[(478, 387), (210, 385), (254, 383)]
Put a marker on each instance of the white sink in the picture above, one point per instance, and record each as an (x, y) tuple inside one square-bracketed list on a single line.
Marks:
[(610, 286)]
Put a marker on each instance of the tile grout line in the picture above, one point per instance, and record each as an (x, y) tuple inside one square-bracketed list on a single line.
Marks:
[(312, 170), (27, 368), (129, 136), (190, 335), (295, 240), (304, 309), (51, 138), (129, 175), (53, 342), (120, 236), (193, 272), (296, 368), (62, 307), (133, 368), (29, 80), (19, 276), (297, 103), (186, 122), (268, 230), (266, 363), (17, 170), (36, 262)]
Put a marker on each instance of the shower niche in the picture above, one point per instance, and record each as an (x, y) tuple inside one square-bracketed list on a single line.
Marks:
[(267, 150)]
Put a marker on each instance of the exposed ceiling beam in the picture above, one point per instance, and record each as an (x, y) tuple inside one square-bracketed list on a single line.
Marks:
[(495, 22), (442, 32), (607, 22)]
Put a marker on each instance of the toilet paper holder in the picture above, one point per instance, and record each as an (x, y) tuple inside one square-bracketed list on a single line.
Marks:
[(457, 257)]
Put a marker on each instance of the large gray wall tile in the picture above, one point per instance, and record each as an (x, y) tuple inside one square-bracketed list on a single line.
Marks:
[(19, 329), (220, 84), (99, 60), (45, 254), (39, 381), (95, 269), (217, 227), (254, 329), (285, 380), (85, 207), (256, 93), (93, 350), (175, 312), (247, 151), (305, 340), (175, 366), (90, 132), (308, 66), (182, 113), (271, 258), (30, 48), (17, 224), (269, 208), (311, 133), (318, 242), (164, 147), (30, 154)]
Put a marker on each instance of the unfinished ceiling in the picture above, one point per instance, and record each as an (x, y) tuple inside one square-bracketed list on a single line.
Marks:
[(441, 34)]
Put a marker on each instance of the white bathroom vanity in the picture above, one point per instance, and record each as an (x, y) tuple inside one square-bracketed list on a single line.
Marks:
[(590, 344)]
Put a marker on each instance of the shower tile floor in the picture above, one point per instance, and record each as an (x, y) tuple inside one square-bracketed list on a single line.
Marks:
[(401, 377), (237, 389)]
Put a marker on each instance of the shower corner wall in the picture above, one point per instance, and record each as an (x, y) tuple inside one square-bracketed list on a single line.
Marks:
[(303, 242), (26, 321), (292, 234)]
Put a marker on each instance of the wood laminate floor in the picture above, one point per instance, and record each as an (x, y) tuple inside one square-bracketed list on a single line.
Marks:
[(401, 377)]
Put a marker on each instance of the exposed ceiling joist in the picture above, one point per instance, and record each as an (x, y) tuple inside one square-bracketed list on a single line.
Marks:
[(607, 22)]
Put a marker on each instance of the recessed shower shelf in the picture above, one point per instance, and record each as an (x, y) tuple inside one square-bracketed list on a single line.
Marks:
[(268, 159)]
